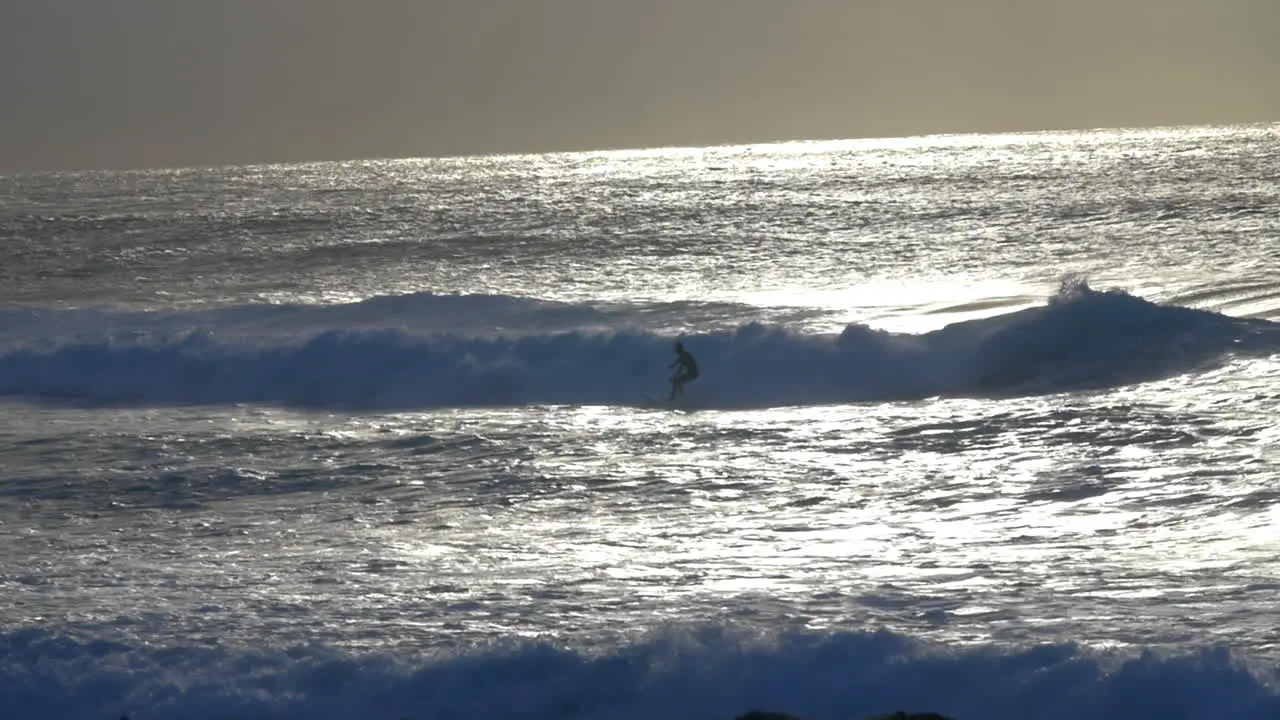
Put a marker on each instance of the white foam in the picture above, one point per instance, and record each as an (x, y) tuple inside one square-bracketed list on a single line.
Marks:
[(694, 673), (1082, 339)]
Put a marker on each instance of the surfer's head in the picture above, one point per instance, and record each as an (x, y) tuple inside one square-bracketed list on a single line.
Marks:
[(679, 346)]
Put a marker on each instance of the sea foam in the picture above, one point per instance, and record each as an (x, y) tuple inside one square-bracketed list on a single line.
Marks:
[(696, 673), (339, 356)]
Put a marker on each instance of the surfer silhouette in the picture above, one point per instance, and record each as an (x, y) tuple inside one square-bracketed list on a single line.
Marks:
[(686, 370)]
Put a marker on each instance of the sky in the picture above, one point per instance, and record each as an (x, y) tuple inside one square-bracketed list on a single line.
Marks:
[(165, 83)]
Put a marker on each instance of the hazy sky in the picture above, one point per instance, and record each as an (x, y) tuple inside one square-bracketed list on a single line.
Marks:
[(125, 83)]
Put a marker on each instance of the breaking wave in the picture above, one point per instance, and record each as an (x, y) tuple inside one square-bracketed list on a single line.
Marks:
[(695, 673), (375, 355)]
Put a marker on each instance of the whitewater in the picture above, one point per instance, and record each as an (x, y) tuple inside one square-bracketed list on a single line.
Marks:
[(985, 427)]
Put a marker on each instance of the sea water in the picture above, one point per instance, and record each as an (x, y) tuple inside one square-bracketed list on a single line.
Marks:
[(986, 426)]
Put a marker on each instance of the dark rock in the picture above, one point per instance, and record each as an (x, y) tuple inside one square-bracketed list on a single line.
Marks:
[(758, 715)]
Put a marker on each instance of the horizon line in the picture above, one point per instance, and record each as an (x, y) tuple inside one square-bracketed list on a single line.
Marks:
[(870, 140)]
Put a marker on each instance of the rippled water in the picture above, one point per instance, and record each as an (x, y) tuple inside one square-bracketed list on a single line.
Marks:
[(404, 407)]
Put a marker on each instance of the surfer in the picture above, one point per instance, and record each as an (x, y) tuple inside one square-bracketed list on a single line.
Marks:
[(686, 370)]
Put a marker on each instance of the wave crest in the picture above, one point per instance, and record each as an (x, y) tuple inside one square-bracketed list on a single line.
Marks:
[(1082, 339), (700, 672)]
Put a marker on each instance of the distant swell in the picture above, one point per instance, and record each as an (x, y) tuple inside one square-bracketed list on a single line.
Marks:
[(696, 674), (1082, 339)]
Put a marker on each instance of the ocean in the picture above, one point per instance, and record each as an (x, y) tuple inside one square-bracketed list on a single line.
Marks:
[(985, 426)]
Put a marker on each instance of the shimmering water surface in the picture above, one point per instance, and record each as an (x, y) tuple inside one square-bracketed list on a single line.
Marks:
[(406, 409)]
